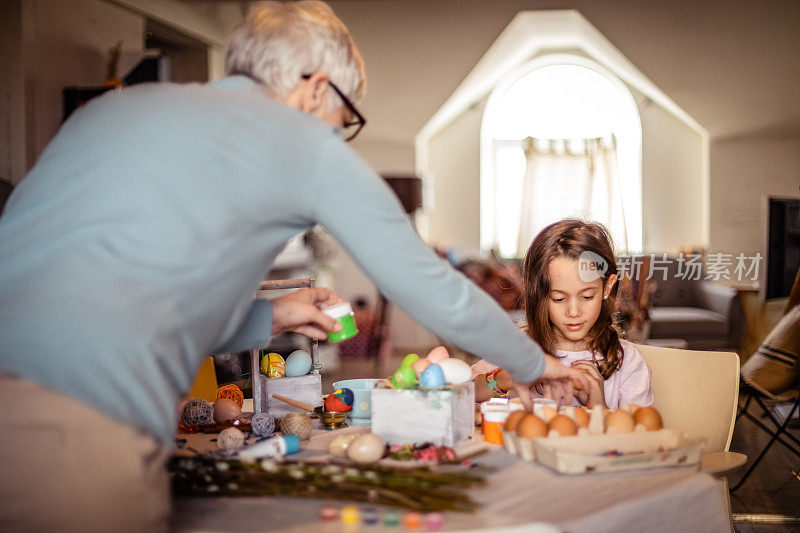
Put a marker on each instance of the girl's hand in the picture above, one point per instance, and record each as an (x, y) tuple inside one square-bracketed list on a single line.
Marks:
[(595, 394), (555, 383)]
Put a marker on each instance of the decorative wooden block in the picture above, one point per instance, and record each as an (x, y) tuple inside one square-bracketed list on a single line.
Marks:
[(444, 416)]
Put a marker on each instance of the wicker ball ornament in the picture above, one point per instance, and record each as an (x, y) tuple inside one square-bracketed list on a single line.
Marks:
[(198, 412), (231, 392), (263, 424), (230, 439), (298, 424)]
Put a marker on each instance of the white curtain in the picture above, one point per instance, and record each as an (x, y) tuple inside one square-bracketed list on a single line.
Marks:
[(578, 178)]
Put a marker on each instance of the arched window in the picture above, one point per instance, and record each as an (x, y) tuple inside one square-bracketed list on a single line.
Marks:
[(561, 136)]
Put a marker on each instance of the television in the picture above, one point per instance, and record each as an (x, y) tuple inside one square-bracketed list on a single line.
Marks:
[(782, 246)]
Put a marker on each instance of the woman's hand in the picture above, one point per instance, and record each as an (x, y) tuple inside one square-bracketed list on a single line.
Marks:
[(595, 394), (299, 311)]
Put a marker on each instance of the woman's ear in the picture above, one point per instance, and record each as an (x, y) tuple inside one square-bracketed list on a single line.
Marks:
[(610, 282)]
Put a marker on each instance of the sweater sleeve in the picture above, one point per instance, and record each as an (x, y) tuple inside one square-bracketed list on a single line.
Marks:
[(363, 215), (254, 332)]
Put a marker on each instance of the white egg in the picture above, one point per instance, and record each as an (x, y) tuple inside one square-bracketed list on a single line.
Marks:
[(338, 446), (365, 449), (455, 371)]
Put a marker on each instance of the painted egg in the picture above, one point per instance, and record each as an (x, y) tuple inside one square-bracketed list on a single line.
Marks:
[(365, 449), (340, 400), (298, 363), (420, 365), (433, 376), (225, 409), (455, 371), (404, 378), (437, 354), (409, 359), (273, 365)]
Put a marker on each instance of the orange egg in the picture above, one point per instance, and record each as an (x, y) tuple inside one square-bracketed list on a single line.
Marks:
[(531, 427), (581, 417), (649, 418), (513, 419), (563, 425), (619, 419)]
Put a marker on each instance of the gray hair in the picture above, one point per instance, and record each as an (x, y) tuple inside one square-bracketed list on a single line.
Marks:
[(280, 42)]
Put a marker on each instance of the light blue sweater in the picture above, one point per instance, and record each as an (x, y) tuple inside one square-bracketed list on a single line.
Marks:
[(134, 247)]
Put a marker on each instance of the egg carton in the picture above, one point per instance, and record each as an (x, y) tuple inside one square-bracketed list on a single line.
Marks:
[(608, 452)]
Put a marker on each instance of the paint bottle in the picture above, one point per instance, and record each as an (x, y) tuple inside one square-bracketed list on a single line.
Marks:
[(343, 313), (273, 447)]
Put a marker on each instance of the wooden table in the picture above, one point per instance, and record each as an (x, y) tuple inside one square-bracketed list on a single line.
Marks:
[(519, 496)]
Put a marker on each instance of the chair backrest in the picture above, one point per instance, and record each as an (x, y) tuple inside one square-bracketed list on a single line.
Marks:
[(696, 392)]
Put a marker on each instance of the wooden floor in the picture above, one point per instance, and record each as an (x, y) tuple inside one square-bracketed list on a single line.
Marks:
[(770, 490)]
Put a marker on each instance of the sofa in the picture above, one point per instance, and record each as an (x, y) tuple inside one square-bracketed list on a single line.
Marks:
[(706, 314)]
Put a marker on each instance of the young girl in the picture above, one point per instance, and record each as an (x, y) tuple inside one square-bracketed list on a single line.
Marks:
[(570, 284)]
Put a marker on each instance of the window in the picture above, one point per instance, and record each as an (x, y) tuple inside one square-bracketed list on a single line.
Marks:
[(569, 104)]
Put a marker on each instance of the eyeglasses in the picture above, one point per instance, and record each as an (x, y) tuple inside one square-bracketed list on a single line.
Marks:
[(351, 127)]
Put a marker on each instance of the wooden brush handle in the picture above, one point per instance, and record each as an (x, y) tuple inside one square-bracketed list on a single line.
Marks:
[(301, 405)]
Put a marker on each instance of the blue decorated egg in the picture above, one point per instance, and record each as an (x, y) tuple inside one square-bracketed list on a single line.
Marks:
[(298, 363), (432, 376)]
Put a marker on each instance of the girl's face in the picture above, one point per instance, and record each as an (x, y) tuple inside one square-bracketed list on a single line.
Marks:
[(574, 304)]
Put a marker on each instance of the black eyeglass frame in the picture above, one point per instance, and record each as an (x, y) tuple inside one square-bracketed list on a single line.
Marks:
[(360, 120)]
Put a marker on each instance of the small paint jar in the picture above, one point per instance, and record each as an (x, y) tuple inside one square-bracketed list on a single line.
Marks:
[(343, 313), (494, 416)]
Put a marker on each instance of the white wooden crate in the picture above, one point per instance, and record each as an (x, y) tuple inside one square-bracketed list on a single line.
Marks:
[(444, 416)]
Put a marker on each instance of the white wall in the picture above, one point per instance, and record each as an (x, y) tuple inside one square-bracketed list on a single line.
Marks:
[(674, 204), (672, 182), (743, 172)]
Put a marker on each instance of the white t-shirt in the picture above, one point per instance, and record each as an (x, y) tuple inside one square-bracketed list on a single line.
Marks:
[(629, 384)]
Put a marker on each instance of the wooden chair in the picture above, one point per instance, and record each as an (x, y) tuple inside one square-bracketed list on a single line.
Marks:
[(772, 377), (697, 393)]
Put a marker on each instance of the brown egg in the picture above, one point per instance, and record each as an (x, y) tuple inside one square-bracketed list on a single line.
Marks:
[(649, 418), (630, 407), (513, 419), (546, 412), (581, 417), (619, 419), (531, 427), (225, 409), (563, 425)]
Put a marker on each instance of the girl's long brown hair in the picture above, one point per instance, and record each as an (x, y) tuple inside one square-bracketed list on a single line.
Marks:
[(569, 238)]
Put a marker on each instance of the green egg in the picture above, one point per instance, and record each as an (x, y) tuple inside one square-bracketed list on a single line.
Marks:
[(409, 359), (404, 377)]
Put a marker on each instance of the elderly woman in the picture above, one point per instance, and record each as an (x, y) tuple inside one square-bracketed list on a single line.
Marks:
[(134, 247)]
